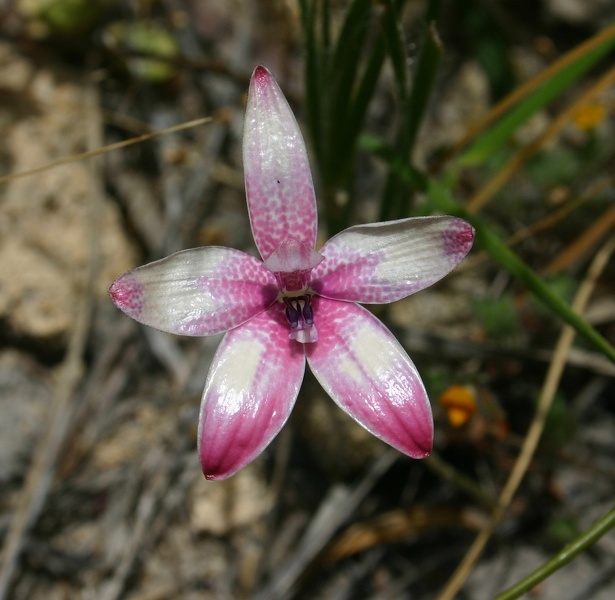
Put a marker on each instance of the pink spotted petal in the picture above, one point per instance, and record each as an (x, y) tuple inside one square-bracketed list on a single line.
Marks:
[(196, 292), (250, 391), (383, 262), (369, 375), (279, 184)]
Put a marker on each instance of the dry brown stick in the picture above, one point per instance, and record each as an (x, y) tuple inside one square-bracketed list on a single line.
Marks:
[(165, 479), (526, 88), (45, 461), (491, 187), (589, 238), (562, 212), (546, 222), (97, 398), (335, 509), (158, 466), (534, 433), (102, 149)]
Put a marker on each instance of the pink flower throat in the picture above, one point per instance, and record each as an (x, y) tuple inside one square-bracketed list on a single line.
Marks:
[(292, 264)]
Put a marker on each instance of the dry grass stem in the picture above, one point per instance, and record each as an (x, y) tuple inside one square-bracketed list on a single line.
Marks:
[(536, 428)]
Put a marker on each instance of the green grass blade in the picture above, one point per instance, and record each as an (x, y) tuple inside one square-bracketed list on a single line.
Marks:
[(440, 197), (313, 69), (365, 89), (342, 75), (422, 85), (346, 89), (487, 143), (397, 192), (394, 41), (325, 29), (353, 126), (562, 558)]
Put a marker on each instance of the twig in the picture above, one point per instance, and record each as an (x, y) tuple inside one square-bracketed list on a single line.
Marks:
[(446, 347), (548, 221), (491, 187), (535, 431), (101, 150), (161, 464), (335, 509), (527, 88), (589, 238)]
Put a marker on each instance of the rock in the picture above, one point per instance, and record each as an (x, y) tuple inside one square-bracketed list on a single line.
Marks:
[(221, 506), (45, 230)]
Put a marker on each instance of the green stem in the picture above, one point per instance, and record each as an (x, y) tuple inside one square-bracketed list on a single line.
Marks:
[(584, 541), (441, 198)]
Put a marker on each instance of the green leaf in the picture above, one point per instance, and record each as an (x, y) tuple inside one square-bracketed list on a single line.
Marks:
[(341, 77)]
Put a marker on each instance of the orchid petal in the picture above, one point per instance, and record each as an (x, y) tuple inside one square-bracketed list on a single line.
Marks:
[(279, 187), (383, 262), (369, 375), (250, 391), (196, 292)]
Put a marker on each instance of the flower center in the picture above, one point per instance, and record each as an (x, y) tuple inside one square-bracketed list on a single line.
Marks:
[(292, 264), (300, 315)]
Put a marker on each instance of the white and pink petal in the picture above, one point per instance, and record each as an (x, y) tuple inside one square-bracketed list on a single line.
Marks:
[(196, 292), (250, 391), (279, 187), (383, 262), (368, 374)]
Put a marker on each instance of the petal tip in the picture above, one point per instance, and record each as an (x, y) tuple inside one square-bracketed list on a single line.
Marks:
[(260, 72), (261, 77), (216, 468), (419, 441), (458, 239), (422, 448), (219, 461), (217, 476), (126, 292)]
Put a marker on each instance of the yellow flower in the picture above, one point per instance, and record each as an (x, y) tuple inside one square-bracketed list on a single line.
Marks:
[(589, 115), (459, 401)]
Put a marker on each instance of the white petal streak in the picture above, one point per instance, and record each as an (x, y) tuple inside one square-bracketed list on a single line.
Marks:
[(196, 292), (250, 391), (369, 375), (383, 262)]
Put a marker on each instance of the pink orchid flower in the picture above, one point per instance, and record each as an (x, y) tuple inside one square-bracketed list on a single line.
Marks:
[(296, 304)]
